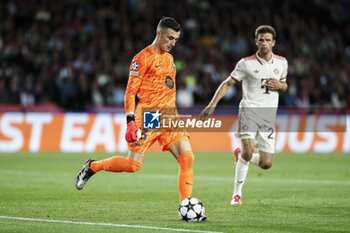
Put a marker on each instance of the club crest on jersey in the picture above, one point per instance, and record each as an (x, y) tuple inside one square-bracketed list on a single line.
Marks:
[(276, 71), (169, 82), (134, 65)]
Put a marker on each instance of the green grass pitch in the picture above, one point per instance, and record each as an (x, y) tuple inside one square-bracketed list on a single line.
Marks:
[(300, 193)]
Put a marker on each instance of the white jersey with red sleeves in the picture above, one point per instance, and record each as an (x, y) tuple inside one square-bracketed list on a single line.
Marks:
[(254, 71)]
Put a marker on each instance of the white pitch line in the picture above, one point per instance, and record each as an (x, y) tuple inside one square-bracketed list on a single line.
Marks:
[(106, 224)]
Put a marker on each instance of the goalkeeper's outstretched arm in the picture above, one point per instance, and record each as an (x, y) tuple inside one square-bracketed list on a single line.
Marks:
[(133, 132)]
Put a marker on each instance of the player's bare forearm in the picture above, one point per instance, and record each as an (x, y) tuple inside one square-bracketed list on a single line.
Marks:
[(221, 91), (219, 94), (283, 86)]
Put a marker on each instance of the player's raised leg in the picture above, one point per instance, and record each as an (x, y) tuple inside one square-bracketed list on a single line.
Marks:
[(242, 167), (132, 163), (84, 175)]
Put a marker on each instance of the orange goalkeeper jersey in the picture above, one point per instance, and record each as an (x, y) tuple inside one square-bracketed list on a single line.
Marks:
[(152, 79)]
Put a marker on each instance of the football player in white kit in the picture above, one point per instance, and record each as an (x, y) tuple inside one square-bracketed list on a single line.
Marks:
[(263, 76)]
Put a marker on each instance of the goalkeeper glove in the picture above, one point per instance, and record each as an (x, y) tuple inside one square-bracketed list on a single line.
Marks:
[(133, 133)]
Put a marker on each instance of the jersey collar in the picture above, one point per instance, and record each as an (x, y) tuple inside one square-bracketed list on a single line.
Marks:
[(262, 61), (155, 52)]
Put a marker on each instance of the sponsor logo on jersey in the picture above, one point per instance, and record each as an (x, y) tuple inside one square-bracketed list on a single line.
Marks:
[(169, 82), (276, 71)]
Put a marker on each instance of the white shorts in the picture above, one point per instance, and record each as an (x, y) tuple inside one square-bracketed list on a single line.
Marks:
[(254, 127)]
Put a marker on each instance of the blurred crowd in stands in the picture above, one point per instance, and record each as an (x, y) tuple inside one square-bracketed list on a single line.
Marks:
[(77, 53)]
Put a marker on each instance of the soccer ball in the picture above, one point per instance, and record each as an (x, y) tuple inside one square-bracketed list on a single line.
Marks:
[(192, 210)]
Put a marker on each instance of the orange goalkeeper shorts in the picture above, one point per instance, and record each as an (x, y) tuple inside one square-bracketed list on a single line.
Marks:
[(165, 140)]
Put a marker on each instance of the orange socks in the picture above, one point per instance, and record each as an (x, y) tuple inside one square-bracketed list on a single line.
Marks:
[(185, 179), (116, 164), (121, 164)]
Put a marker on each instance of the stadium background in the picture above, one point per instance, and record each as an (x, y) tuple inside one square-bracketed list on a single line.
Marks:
[(63, 71), (73, 56)]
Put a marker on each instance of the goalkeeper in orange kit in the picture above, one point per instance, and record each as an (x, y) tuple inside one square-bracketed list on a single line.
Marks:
[(152, 78)]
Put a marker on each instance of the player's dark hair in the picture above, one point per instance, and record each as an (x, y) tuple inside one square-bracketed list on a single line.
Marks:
[(167, 22), (265, 29)]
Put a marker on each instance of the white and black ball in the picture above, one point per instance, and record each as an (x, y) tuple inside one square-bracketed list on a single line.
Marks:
[(192, 210)]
